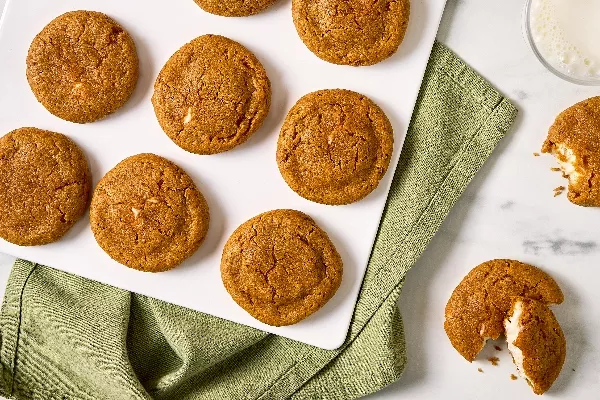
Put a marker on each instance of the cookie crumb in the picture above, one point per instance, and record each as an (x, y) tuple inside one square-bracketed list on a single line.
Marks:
[(536, 154), (480, 370), (555, 169), (559, 190), (494, 361), (498, 348), (513, 377)]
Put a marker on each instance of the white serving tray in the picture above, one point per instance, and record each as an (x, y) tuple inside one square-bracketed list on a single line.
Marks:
[(239, 184)]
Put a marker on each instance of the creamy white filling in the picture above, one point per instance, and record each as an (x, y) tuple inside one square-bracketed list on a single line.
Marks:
[(512, 327), (567, 159)]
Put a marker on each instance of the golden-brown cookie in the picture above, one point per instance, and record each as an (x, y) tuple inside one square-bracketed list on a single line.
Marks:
[(82, 66), (478, 306), (234, 8), (574, 139), (147, 214), (334, 147), (536, 342), (45, 183), (211, 95), (352, 32), (281, 267)]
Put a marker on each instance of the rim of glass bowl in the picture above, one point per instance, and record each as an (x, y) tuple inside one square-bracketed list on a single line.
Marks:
[(542, 60)]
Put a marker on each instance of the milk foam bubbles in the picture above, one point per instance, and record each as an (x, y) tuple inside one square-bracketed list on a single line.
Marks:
[(567, 34)]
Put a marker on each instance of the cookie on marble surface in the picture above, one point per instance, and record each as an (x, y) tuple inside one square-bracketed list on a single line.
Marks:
[(335, 146), (476, 310), (352, 32), (82, 66), (574, 139), (234, 8), (536, 342), (45, 184), (147, 214), (211, 95), (281, 267)]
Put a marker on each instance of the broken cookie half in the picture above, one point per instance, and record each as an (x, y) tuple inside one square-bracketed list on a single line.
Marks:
[(574, 139), (536, 342)]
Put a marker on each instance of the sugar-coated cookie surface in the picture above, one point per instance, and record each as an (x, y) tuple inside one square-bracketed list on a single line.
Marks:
[(211, 95), (281, 267), (82, 66), (476, 309), (45, 183), (147, 214), (335, 146), (352, 32), (536, 342), (234, 8), (574, 139)]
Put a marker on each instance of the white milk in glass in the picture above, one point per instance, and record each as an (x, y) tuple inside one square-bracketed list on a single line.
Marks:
[(567, 34)]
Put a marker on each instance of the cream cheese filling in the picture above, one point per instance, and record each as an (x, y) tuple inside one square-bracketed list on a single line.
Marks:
[(566, 160), (512, 327)]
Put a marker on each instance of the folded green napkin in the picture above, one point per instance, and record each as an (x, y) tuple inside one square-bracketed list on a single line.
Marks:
[(65, 337)]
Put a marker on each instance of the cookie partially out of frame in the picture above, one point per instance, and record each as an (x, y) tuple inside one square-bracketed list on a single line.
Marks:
[(352, 32), (82, 66), (211, 95), (281, 267), (335, 146), (234, 8), (574, 139), (536, 342), (45, 183), (476, 310), (147, 214)]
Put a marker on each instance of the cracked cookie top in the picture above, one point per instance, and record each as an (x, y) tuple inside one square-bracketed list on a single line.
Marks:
[(82, 66), (147, 214), (280, 267), (574, 139), (45, 184), (234, 8), (476, 310), (335, 146), (211, 95), (352, 32)]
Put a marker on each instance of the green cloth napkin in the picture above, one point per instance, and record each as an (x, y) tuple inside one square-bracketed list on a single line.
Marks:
[(65, 337)]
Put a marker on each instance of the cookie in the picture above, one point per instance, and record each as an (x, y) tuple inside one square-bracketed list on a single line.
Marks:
[(45, 184), (211, 95), (478, 306), (574, 139), (536, 342), (82, 66), (351, 32), (281, 267), (234, 8), (147, 214), (334, 147)]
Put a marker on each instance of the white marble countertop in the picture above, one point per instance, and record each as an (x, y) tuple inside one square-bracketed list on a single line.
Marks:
[(507, 212)]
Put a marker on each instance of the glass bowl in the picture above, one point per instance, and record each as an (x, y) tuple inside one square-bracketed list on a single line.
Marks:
[(561, 73)]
